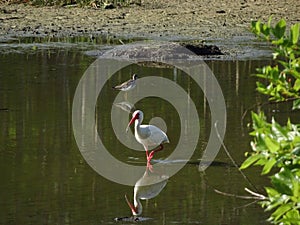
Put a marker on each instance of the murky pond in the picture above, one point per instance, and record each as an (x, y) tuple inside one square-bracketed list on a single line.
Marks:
[(46, 180)]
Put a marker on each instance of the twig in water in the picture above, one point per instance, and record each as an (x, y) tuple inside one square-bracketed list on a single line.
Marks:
[(255, 196), (238, 196), (246, 205), (259, 196), (232, 160), (261, 104), (121, 42)]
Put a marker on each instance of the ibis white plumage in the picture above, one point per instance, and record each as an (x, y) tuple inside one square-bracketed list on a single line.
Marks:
[(149, 136)]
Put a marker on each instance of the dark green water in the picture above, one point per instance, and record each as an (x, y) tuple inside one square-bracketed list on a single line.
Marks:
[(45, 180)]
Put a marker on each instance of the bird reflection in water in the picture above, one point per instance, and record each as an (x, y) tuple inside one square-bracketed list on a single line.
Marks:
[(126, 106), (147, 187)]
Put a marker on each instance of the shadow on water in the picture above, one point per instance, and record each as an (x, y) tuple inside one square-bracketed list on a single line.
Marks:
[(45, 179)]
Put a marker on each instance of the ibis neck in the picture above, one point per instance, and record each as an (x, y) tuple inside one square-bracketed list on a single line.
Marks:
[(137, 124), (138, 205)]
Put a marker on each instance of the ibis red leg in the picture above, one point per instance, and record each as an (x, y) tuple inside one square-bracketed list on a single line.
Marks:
[(150, 156)]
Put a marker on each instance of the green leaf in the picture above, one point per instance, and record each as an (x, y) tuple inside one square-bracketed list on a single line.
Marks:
[(285, 64), (280, 41), (297, 85), (279, 29), (295, 33), (257, 27), (281, 210), (271, 191), (296, 151), (268, 166), (272, 145), (249, 161), (258, 120), (283, 182), (270, 21), (261, 162), (265, 30), (279, 131), (296, 188), (290, 221), (296, 104), (292, 217)]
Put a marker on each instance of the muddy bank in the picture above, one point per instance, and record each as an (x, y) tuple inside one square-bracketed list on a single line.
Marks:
[(204, 20)]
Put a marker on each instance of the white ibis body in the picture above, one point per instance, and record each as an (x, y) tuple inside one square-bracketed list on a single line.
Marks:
[(148, 135), (127, 85)]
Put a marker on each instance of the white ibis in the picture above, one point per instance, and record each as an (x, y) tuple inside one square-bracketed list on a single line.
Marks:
[(127, 85), (147, 135), (147, 187)]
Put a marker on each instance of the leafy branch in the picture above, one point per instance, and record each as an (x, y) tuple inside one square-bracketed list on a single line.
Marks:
[(276, 148), (282, 81)]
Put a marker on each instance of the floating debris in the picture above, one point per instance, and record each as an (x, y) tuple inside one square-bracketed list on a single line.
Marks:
[(131, 219)]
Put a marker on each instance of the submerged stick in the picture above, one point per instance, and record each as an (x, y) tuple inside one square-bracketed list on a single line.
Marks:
[(259, 196), (232, 160), (262, 104), (255, 197)]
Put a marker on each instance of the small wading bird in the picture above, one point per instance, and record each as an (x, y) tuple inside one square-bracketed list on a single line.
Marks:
[(127, 85), (147, 135)]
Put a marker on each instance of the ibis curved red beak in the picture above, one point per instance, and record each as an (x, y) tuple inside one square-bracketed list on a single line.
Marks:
[(131, 122), (133, 209)]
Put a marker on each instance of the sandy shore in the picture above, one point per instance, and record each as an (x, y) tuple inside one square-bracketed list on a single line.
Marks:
[(154, 19)]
